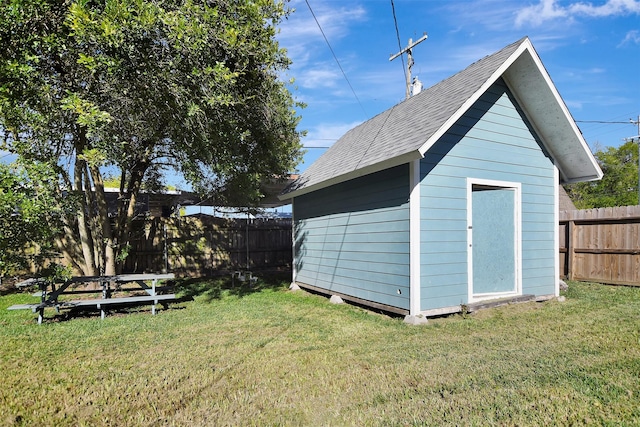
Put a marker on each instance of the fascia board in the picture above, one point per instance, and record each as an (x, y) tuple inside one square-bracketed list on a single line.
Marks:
[(583, 178)]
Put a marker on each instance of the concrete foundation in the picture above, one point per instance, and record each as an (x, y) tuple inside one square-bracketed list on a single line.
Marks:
[(294, 286), (335, 299), (415, 320)]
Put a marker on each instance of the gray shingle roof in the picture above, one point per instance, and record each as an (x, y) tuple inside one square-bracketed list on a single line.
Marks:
[(396, 135)]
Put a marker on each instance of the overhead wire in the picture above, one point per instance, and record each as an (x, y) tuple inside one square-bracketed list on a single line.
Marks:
[(395, 21), (318, 139), (599, 128), (605, 122), (336, 59)]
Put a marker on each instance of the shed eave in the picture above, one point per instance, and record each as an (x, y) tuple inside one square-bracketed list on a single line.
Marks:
[(581, 179), (532, 86)]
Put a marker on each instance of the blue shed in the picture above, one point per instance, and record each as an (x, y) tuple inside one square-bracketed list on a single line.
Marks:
[(446, 199)]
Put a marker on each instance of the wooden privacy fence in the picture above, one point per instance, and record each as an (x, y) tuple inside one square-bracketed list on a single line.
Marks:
[(601, 245), (206, 246)]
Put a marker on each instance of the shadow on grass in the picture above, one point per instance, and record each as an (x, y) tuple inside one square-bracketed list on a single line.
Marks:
[(205, 289), (120, 310), (212, 288)]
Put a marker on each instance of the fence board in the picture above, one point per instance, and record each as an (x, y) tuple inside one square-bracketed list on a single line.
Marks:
[(601, 245), (208, 246)]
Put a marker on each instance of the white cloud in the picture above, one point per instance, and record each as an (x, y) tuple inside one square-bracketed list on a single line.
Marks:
[(609, 8), (548, 10), (314, 78), (313, 66), (537, 14), (492, 14), (325, 134), (632, 37), (300, 31)]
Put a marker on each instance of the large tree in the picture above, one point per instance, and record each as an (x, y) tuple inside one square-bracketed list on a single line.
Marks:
[(619, 185), (143, 86)]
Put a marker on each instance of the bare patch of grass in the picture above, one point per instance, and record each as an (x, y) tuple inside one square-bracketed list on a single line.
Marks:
[(266, 356)]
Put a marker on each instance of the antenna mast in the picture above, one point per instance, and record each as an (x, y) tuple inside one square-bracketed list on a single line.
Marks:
[(407, 50)]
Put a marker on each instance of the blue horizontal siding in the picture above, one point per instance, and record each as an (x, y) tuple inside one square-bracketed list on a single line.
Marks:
[(439, 235), (391, 259), (538, 245), (443, 268), (441, 247), (353, 238), (391, 237), (491, 141), (371, 248), (505, 152)]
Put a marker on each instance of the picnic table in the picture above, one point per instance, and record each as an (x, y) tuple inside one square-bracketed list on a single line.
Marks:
[(51, 291)]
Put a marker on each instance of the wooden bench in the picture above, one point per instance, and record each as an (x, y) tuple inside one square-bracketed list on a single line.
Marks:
[(50, 299)]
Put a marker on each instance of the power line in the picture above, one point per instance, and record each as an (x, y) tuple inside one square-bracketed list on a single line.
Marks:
[(336, 58), (395, 21), (604, 122), (310, 141)]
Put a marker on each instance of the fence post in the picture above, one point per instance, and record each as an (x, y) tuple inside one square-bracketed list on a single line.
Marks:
[(571, 226), (165, 247)]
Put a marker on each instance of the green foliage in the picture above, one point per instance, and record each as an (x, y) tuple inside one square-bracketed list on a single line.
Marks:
[(28, 215), (112, 181), (144, 87), (123, 253), (57, 273), (619, 185)]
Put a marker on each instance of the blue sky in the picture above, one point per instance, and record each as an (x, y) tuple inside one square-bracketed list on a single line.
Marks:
[(590, 49)]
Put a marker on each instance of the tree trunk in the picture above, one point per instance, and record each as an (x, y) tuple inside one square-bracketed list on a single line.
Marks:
[(86, 241), (67, 242), (105, 223), (93, 224), (126, 213)]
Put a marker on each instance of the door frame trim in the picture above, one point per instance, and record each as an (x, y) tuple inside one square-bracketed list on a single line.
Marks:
[(517, 187)]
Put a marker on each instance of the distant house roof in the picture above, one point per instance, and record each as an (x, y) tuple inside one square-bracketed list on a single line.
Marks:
[(407, 130), (163, 203)]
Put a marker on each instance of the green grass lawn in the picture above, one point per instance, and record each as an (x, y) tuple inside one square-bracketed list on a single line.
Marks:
[(267, 356)]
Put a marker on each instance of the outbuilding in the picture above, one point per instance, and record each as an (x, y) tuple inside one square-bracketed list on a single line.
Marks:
[(448, 198)]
